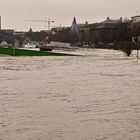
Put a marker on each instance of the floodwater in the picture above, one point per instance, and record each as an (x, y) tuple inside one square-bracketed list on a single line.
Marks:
[(91, 97)]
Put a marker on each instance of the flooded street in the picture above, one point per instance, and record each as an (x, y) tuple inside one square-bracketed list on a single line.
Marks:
[(91, 97)]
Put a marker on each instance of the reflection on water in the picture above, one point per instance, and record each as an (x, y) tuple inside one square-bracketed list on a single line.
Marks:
[(91, 97)]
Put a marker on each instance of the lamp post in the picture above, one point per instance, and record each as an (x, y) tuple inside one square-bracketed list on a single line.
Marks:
[(138, 45), (15, 46)]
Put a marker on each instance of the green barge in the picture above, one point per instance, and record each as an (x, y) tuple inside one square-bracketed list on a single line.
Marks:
[(24, 52)]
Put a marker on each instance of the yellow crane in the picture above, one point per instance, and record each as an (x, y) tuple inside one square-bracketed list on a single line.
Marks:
[(48, 22)]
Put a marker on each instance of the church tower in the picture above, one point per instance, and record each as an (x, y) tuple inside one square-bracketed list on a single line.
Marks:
[(75, 29)]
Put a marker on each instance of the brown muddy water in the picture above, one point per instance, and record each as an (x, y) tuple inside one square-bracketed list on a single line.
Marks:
[(91, 97)]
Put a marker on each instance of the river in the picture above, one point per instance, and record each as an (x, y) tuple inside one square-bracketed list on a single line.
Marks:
[(95, 96)]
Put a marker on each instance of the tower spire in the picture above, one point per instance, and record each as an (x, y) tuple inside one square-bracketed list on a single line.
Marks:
[(74, 20)]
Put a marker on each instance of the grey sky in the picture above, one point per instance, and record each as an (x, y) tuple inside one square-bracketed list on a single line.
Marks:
[(15, 12)]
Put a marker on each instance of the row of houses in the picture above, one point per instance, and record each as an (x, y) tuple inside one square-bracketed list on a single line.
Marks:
[(109, 31)]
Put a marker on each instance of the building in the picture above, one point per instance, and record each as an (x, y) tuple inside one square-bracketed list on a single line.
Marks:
[(135, 19), (82, 31), (135, 24), (106, 31), (56, 30), (75, 30), (7, 35)]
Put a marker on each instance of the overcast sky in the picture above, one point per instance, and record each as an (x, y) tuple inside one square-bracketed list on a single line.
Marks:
[(15, 12)]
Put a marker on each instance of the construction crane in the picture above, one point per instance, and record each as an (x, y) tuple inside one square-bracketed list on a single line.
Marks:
[(48, 22)]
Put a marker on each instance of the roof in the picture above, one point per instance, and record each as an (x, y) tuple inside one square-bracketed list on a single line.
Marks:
[(113, 21), (57, 29)]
